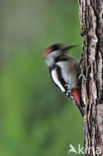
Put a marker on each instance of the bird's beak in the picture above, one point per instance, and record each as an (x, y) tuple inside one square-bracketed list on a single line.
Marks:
[(68, 47)]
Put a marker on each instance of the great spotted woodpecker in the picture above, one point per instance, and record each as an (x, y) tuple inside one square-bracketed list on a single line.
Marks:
[(64, 71)]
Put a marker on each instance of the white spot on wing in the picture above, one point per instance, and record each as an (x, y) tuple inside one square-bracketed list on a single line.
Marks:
[(55, 78)]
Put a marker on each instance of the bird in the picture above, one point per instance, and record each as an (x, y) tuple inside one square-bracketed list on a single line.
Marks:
[(64, 71)]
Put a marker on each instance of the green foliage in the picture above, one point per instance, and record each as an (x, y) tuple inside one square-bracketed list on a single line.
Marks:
[(36, 118)]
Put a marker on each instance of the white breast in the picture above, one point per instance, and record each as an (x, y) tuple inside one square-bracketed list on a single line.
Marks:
[(55, 79)]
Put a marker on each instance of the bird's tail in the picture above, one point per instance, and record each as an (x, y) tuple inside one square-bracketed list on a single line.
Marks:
[(77, 99), (75, 96)]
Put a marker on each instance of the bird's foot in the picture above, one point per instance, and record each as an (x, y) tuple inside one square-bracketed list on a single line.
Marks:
[(82, 76)]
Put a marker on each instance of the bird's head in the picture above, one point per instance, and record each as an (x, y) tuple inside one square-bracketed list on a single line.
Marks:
[(55, 51)]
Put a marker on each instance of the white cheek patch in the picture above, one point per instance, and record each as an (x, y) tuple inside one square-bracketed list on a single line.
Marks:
[(55, 79)]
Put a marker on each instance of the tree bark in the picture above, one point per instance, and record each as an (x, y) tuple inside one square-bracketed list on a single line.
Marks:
[(91, 19)]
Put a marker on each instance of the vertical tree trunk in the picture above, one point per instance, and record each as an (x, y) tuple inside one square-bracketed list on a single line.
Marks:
[(91, 18)]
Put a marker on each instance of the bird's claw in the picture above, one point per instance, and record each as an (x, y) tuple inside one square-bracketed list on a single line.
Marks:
[(82, 76)]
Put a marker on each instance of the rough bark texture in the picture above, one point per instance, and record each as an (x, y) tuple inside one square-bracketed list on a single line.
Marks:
[(91, 17)]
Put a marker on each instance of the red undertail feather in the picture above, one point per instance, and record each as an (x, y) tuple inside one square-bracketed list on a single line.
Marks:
[(76, 95)]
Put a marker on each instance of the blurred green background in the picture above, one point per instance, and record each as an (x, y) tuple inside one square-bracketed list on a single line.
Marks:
[(36, 119)]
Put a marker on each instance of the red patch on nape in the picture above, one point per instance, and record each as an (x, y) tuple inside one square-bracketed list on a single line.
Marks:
[(47, 52), (76, 95)]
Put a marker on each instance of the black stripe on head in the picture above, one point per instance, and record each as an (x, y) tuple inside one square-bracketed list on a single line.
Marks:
[(55, 47), (60, 59)]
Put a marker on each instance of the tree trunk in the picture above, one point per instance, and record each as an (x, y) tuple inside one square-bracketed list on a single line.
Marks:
[(91, 18)]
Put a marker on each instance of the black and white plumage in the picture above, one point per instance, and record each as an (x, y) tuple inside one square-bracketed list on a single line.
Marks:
[(64, 71)]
